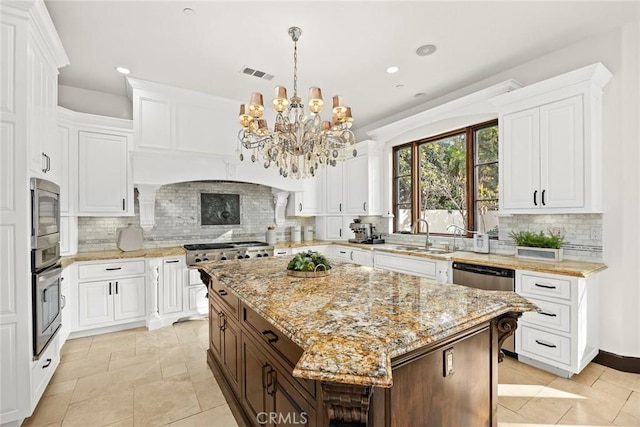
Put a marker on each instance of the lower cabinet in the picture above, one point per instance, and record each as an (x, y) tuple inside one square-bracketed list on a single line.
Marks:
[(415, 266), (110, 293), (107, 301), (173, 282), (224, 340), (354, 255)]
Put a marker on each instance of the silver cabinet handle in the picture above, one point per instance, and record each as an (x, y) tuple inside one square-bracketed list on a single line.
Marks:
[(300, 207), (351, 255), (364, 206), (64, 301)]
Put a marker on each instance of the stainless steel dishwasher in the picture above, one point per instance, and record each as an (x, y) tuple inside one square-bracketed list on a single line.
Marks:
[(488, 278)]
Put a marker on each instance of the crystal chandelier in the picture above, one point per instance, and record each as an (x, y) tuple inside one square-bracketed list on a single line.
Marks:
[(298, 143)]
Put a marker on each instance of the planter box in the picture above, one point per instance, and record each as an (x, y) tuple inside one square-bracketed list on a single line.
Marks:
[(541, 254)]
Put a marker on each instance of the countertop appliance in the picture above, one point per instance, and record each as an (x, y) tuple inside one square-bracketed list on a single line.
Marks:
[(228, 250), (487, 278), (364, 233)]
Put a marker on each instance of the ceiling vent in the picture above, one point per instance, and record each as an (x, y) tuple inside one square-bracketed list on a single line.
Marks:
[(256, 73)]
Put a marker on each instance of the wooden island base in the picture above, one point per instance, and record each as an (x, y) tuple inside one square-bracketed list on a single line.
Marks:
[(255, 377)]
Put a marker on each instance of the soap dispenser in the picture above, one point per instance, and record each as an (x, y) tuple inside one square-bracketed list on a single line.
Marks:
[(481, 242)]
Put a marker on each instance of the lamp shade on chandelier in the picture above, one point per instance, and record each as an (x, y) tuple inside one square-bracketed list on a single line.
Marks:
[(300, 141)]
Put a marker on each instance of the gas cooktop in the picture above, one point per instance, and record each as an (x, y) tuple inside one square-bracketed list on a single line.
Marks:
[(198, 252), (228, 245)]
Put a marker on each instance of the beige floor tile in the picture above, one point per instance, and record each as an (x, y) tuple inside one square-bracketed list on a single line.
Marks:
[(220, 416), (81, 368), (76, 345), (632, 405), (101, 410), (108, 346), (208, 393), (545, 410), (127, 333), (50, 410), (165, 401), (70, 357), (60, 387), (123, 423), (589, 374), (622, 379), (515, 396), (198, 368), (177, 369), (624, 419), (611, 388), (586, 399), (114, 381), (578, 417), (533, 374), (186, 335), (512, 374), (507, 416), (125, 362)]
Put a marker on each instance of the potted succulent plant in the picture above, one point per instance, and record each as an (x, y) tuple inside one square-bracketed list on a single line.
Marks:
[(538, 245)]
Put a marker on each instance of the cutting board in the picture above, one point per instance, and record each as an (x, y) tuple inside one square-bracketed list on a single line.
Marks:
[(129, 238)]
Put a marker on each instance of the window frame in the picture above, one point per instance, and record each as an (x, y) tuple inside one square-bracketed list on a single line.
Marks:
[(471, 165)]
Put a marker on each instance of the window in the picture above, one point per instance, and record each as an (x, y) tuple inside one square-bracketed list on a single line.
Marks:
[(448, 179)]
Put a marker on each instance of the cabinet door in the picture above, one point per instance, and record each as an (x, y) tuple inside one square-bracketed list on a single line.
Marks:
[(103, 174), (334, 189), (173, 277), (215, 329), (95, 302), (231, 350), (310, 202), (562, 154), (287, 402), (254, 369), (520, 160), (361, 257), (62, 142), (129, 298), (335, 230), (356, 185)]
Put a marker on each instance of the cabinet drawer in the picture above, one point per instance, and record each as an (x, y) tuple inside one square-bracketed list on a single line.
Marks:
[(111, 269), (230, 302), (194, 277), (546, 345), (44, 368), (198, 298), (553, 315), (272, 336), (281, 252), (545, 286)]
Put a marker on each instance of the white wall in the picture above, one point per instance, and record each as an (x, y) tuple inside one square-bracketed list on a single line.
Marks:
[(93, 102), (619, 51)]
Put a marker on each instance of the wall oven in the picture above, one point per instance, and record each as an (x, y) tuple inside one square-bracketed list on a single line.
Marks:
[(45, 263), (47, 307)]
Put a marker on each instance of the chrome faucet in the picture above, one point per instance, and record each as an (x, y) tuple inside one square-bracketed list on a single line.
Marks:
[(457, 231), (414, 228)]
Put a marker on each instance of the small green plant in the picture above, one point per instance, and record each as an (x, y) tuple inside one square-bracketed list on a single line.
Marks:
[(308, 261), (539, 240)]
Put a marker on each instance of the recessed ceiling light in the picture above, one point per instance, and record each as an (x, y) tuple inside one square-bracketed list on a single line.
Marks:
[(420, 95), (123, 70), (399, 86), (426, 50), (393, 69), (188, 11)]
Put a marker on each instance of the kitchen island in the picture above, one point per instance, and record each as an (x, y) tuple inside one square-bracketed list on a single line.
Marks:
[(359, 347)]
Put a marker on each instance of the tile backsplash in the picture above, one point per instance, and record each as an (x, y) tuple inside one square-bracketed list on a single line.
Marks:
[(177, 218), (578, 230)]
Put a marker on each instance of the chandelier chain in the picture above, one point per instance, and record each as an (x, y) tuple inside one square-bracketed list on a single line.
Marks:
[(295, 69)]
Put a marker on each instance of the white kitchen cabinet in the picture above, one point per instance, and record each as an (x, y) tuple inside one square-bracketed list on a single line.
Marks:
[(104, 179), (362, 191), (333, 227), (550, 149), (353, 255), (416, 266), (564, 336), (174, 273), (282, 252), (334, 189), (110, 293), (323, 249), (307, 202), (197, 294)]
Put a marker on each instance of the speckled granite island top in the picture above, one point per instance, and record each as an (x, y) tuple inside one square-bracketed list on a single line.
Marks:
[(351, 323)]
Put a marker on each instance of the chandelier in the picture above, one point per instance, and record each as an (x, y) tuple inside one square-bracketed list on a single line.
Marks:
[(297, 144)]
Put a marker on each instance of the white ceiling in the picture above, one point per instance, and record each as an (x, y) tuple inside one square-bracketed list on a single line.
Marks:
[(345, 47)]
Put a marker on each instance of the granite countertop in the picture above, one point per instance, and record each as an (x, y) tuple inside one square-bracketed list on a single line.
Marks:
[(351, 323), (118, 254)]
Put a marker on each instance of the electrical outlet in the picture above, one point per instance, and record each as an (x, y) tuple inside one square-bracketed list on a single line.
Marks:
[(596, 233), (556, 231)]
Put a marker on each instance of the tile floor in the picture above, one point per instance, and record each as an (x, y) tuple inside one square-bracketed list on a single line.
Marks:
[(160, 378)]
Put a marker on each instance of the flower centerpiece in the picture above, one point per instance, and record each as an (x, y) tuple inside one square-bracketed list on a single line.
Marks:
[(538, 245), (308, 264)]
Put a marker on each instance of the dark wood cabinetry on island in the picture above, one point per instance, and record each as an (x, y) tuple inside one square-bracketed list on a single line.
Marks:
[(361, 349)]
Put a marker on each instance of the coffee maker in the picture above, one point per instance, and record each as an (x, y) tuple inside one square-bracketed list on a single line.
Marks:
[(363, 232)]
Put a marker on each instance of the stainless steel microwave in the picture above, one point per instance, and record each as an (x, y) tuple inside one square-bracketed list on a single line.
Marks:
[(45, 224)]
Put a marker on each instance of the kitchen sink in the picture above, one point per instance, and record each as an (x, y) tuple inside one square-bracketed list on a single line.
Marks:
[(421, 250)]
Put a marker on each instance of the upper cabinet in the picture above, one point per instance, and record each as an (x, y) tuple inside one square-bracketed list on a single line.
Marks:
[(362, 180), (550, 144), (96, 179), (334, 199), (308, 201)]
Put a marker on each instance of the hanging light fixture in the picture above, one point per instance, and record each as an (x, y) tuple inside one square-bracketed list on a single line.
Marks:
[(298, 144)]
